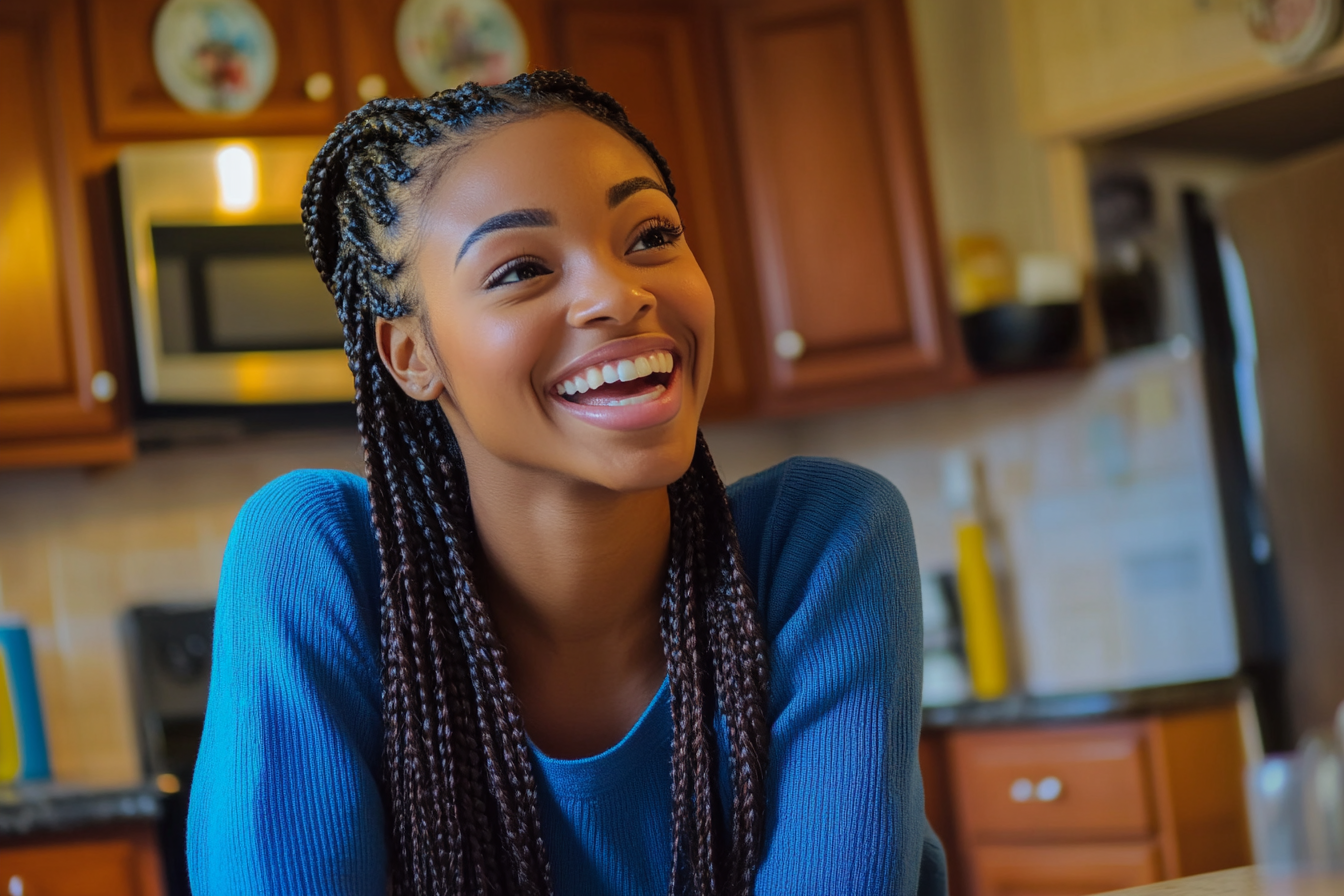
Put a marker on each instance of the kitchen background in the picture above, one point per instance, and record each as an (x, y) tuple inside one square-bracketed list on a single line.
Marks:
[(1104, 467)]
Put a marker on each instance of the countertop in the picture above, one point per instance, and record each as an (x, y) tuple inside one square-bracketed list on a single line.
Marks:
[(39, 807), (1023, 709), (1248, 881)]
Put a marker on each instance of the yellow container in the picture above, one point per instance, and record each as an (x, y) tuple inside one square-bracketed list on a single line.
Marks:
[(986, 656)]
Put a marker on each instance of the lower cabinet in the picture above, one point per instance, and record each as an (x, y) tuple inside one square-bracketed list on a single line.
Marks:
[(113, 862), (1072, 809)]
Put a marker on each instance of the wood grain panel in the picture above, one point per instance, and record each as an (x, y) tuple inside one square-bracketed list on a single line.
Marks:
[(130, 101), (1103, 769), (650, 63), (46, 105), (831, 154), (1070, 870), (34, 356), (75, 869)]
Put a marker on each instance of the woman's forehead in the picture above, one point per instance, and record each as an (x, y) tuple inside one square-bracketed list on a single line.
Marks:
[(550, 161)]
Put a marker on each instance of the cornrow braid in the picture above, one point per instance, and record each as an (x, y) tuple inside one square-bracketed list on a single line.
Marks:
[(458, 782)]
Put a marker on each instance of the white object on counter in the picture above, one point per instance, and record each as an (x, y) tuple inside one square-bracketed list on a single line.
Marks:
[(1044, 277)]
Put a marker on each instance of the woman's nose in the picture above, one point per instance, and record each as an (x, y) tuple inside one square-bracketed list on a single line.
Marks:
[(605, 297)]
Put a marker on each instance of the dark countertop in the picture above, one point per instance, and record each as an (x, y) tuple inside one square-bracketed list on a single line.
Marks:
[(44, 806), (1017, 709)]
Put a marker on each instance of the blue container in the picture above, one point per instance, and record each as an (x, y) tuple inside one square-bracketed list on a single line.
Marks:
[(23, 740)]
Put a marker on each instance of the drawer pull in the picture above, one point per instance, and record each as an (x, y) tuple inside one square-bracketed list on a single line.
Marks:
[(790, 345), (1049, 789), (15, 885), (1021, 790)]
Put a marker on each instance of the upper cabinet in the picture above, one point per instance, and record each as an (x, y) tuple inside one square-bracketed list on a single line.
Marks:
[(130, 102), (832, 161), (1088, 68), (58, 383), (793, 130)]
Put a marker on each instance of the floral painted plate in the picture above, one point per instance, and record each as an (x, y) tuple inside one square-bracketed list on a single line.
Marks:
[(215, 56), (442, 43)]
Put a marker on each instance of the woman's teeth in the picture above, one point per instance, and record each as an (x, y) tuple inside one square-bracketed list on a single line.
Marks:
[(622, 371)]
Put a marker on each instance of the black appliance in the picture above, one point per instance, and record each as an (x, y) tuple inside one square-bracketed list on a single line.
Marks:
[(169, 649)]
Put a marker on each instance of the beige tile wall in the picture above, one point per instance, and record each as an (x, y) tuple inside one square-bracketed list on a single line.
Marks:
[(77, 548)]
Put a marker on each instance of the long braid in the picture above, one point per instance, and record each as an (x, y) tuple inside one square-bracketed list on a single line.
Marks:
[(458, 781)]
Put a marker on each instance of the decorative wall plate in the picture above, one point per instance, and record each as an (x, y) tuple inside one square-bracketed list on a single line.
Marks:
[(443, 43), (1290, 32), (215, 56)]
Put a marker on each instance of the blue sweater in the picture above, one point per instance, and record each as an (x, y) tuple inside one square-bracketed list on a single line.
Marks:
[(285, 796)]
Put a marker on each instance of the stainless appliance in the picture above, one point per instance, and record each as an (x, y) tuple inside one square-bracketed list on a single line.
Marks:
[(226, 305)]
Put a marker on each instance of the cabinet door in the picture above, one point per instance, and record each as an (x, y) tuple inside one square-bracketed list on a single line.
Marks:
[(833, 164), (657, 66), (1091, 67), (130, 101), (54, 384), (1075, 870)]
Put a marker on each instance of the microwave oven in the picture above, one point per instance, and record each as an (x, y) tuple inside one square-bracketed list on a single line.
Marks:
[(226, 306)]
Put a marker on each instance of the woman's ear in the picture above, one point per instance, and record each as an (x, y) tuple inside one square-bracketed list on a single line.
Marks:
[(407, 356)]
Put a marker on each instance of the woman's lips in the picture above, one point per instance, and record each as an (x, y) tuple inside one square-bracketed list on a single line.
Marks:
[(630, 404)]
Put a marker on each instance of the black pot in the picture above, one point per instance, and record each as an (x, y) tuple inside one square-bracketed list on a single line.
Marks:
[(1012, 337)]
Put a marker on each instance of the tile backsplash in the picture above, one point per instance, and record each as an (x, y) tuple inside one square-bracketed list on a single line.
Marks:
[(77, 548)]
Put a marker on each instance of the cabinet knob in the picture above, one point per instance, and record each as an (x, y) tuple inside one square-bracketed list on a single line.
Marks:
[(1021, 790), (789, 345), (371, 86), (1049, 789), (16, 885), (318, 86), (103, 386)]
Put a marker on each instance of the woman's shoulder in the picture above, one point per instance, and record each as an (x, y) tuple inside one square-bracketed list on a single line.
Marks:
[(309, 531), (818, 532)]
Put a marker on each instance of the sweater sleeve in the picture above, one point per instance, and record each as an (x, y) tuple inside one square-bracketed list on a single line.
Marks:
[(838, 584), (285, 797)]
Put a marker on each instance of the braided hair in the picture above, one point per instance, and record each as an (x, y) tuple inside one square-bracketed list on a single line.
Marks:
[(458, 784)]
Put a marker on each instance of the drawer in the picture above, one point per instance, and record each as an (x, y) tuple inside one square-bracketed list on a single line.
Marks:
[(71, 869), (1052, 784), (1072, 870)]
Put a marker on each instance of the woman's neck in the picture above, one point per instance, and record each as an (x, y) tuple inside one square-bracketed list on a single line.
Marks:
[(573, 575)]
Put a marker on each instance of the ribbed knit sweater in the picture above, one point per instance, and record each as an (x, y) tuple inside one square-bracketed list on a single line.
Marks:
[(285, 794)]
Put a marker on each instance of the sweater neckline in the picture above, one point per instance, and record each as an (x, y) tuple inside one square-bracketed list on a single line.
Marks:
[(591, 775)]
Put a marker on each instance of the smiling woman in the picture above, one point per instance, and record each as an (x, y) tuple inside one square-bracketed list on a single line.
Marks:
[(530, 654)]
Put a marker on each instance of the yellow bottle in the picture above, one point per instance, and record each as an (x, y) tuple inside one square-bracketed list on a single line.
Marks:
[(981, 623)]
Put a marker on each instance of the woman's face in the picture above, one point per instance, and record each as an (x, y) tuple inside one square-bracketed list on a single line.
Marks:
[(564, 325)]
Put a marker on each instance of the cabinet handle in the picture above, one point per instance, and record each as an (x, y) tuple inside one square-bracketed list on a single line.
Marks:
[(371, 86), (1049, 789), (15, 885), (318, 86), (104, 389), (789, 345), (1021, 790)]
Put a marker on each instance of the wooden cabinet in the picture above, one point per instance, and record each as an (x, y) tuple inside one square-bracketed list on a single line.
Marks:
[(831, 154), (130, 102), (793, 130), (116, 862), (1088, 68), (1079, 809), (58, 376)]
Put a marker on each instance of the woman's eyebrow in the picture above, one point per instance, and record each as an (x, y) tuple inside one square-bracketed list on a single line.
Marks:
[(627, 188), (520, 217)]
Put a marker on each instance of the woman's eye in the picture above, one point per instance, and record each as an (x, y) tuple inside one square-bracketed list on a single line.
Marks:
[(516, 271), (656, 236)]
